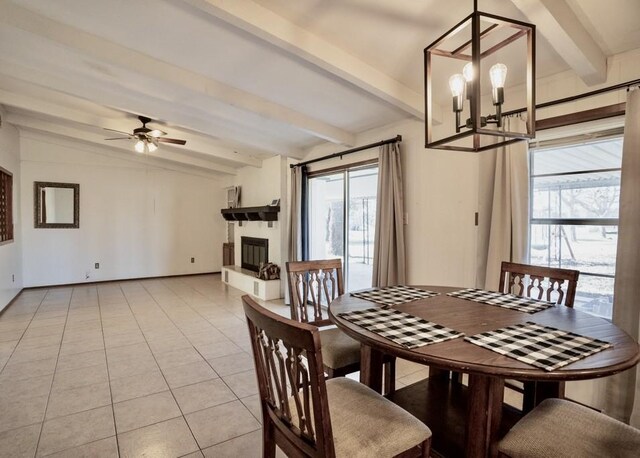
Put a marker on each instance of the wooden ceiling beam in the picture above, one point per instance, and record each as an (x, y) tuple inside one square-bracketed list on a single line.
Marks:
[(557, 22), (95, 47), (278, 31)]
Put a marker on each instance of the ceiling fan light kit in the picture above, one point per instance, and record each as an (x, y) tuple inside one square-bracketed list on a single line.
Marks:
[(491, 40), (146, 140)]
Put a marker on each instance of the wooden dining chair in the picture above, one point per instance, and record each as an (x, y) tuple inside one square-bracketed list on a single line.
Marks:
[(313, 285), (308, 416), (542, 283), (563, 429)]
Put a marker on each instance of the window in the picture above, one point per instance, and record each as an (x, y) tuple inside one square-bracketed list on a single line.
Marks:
[(575, 192), (6, 206), (336, 230)]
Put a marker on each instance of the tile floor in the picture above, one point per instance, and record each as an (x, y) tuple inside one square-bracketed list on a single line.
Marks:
[(154, 368)]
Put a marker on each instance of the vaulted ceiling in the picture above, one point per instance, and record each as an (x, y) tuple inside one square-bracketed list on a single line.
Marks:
[(243, 80)]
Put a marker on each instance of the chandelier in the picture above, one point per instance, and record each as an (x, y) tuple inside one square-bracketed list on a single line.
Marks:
[(476, 121)]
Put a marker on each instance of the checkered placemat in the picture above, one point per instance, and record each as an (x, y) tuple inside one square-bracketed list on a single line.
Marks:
[(541, 346), (399, 327), (393, 295), (508, 301)]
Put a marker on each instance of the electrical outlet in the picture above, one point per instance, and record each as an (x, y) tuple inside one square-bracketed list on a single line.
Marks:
[(193, 260), (97, 265)]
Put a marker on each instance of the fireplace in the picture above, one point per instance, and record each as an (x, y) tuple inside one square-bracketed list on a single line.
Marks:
[(254, 251)]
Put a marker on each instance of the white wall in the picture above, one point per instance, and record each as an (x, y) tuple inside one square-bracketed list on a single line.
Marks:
[(440, 194), (259, 186), (136, 219), (10, 253)]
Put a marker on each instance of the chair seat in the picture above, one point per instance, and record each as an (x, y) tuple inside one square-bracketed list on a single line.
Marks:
[(558, 428), (365, 424), (338, 349)]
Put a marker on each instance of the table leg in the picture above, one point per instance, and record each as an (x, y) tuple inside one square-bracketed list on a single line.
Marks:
[(536, 392), (483, 415), (435, 372), (371, 367)]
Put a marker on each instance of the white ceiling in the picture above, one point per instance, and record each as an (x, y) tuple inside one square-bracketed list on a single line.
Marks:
[(243, 80)]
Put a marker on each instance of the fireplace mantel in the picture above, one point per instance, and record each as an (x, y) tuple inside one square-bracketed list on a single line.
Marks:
[(264, 213)]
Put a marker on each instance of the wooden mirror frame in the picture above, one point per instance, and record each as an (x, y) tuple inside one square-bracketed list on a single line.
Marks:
[(37, 205)]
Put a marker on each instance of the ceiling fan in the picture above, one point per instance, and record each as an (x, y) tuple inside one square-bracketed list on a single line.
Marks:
[(146, 139)]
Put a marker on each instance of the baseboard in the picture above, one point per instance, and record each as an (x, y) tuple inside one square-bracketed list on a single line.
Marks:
[(11, 301), (97, 282)]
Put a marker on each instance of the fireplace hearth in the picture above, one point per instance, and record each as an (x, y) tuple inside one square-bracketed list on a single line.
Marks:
[(254, 251)]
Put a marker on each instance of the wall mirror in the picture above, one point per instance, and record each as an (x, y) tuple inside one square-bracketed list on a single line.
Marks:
[(56, 205)]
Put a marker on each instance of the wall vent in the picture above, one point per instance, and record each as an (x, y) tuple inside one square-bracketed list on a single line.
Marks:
[(226, 276)]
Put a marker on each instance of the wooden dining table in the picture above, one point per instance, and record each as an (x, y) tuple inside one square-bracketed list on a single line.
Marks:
[(470, 420)]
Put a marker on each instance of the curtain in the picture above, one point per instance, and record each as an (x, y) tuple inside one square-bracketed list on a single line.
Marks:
[(295, 217), (623, 390), (388, 252), (509, 227)]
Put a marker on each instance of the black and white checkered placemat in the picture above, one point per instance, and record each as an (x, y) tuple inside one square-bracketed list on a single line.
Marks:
[(508, 301), (399, 327), (541, 346), (393, 295)]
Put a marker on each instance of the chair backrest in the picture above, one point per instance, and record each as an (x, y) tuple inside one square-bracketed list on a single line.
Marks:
[(313, 285), (291, 382), (547, 283)]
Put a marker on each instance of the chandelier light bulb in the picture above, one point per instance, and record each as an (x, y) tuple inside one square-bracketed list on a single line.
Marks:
[(468, 72), (498, 75), (139, 147), (152, 147), (456, 84)]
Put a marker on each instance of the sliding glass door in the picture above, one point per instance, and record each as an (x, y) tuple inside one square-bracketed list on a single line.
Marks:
[(341, 221)]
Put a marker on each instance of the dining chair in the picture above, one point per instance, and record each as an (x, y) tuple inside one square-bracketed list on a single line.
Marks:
[(313, 285), (542, 283), (308, 416), (563, 429)]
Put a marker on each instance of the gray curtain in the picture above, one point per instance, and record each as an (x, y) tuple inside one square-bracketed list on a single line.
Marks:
[(389, 253), (509, 230), (295, 235), (623, 390)]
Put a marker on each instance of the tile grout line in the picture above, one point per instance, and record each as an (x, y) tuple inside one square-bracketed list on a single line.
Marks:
[(170, 312), (207, 361), (24, 332), (156, 361), (113, 411), (206, 319), (239, 398), (81, 386), (197, 351), (64, 328)]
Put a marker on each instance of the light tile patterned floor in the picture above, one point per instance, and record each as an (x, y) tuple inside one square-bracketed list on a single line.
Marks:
[(156, 368)]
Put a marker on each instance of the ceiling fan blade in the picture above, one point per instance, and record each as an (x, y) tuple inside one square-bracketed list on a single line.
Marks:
[(156, 133), (128, 134), (119, 138), (172, 140)]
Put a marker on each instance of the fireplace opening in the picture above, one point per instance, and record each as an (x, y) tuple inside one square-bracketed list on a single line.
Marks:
[(254, 251)]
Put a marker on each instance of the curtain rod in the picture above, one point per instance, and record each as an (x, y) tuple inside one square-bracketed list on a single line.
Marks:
[(615, 87), (397, 138)]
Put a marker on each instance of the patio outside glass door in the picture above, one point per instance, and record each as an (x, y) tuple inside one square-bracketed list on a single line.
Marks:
[(346, 231)]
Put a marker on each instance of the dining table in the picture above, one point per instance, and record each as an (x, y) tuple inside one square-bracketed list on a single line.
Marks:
[(469, 419)]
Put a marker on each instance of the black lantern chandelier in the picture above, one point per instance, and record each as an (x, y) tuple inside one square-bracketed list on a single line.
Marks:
[(492, 39)]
